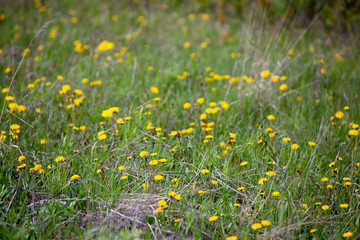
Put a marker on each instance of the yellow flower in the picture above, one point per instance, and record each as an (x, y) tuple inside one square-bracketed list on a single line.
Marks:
[(154, 162), (271, 117), (344, 205), (9, 98), (143, 153), (256, 226), (105, 45), (287, 139), (43, 141), (270, 173), (154, 90), (231, 238), (187, 105), (14, 126), (75, 177), (265, 223), (312, 143), (177, 197), (339, 115), (275, 78), (213, 218), (21, 158), (243, 164), (121, 168), (353, 132), (187, 45), (224, 105), (348, 234), (60, 159), (201, 192), (158, 178), (275, 194), (324, 179), (204, 171), (101, 135), (161, 203), (265, 74), (20, 167), (262, 181), (283, 87), (213, 182), (200, 100), (124, 177), (325, 207), (313, 230), (294, 146)]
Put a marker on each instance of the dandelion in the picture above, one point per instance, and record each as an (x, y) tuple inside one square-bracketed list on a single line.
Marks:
[(43, 141), (143, 153), (287, 139), (201, 192), (161, 203), (154, 90), (75, 177), (353, 132), (313, 230), (256, 226), (348, 234), (200, 100), (20, 167), (158, 178), (124, 177), (60, 159), (204, 171), (325, 207), (294, 146), (271, 117), (187, 105), (275, 194), (324, 179), (265, 223), (14, 127), (213, 218), (243, 164), (339, 115), (231, 238), (283, 87), (270, 173), (265, 74), (344, 205), (312, 143), (154, 162), (21, 158), (101, 135), (177, 197), (262, 181), (213, 182), (187, 45)]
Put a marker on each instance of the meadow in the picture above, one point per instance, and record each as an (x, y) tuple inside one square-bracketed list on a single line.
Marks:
[(121, 120)]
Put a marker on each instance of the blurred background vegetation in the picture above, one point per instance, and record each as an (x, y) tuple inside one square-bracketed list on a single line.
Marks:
[(340, 15)]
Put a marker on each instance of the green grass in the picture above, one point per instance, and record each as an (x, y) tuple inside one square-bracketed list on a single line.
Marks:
[(42, 204)]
